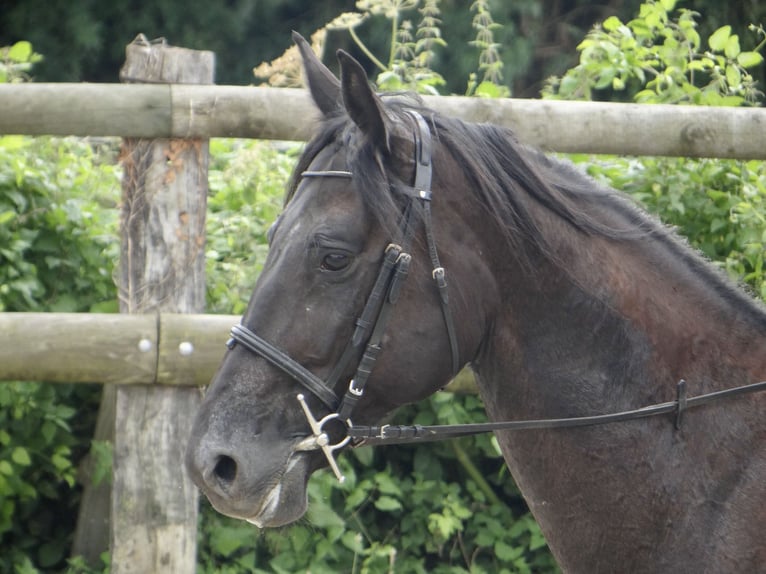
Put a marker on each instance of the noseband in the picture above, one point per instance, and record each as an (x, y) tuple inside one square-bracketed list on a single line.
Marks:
[(371, 325)]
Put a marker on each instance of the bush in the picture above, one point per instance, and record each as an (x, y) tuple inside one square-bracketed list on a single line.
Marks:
[(57, 227), (659, 57)]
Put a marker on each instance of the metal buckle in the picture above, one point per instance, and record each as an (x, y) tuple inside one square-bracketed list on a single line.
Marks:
[(353, 390), (319, 439)]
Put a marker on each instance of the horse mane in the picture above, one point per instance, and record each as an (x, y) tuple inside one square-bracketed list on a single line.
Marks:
[(505, 175)]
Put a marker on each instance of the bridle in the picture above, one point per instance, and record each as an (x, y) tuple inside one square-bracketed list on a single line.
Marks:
[(367, 341)]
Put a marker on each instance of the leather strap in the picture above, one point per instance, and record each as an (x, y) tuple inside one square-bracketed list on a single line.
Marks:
[(252, 342), (423, 191), (405, 434)]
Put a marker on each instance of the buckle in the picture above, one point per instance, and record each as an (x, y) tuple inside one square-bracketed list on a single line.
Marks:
[(353, 390)]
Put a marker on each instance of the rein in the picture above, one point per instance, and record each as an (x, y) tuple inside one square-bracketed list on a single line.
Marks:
[(405, 434), (367, 340)]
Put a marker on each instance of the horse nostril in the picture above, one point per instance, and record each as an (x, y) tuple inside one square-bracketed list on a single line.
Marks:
[(226, 469)]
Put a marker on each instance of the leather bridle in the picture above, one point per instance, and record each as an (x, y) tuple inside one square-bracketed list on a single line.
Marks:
[(367, 340), (370, 326)]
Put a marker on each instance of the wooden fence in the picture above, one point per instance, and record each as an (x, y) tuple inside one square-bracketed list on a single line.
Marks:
[(161, 349), (189, 111)]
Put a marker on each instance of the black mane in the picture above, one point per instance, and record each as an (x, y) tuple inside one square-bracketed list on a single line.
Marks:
[(505, 175)]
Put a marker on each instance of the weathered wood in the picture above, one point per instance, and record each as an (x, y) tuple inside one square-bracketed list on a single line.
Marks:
[(165, 348), (73, 347), (153, 111), (162, 268), (86, 110), (191, 347), (153, 503)]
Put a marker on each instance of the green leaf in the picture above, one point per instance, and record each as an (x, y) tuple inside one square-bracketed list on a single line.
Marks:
[(353, 541), (61, 461), (6, 468), (611, 24), (487, 89), (749, 59), (51, 552), (718, 39), (387, 504), (733, 76), (732, 48), (506, 552), (20, 52), (20, 456), (387, 485)]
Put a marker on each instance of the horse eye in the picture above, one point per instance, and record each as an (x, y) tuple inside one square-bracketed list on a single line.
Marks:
[(335, 261)]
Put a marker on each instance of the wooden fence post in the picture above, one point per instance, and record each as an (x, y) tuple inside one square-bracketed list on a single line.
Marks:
[(162, 264)]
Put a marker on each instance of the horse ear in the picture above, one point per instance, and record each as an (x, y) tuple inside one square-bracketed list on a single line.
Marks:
[(323, 85), (362, 103)]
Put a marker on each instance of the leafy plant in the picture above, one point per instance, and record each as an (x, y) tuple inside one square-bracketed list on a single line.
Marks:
[(58, 219), (412, 48), (16, 62), (247, 182), (659, 58)]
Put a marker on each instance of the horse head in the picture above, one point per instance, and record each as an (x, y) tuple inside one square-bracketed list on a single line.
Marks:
[(350, 243)]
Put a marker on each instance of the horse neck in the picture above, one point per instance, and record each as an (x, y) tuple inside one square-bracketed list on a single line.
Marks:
[(646, 310), (615, 330)]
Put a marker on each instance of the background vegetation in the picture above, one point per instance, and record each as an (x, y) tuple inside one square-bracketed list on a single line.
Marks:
[(443, 508), (85, 40)]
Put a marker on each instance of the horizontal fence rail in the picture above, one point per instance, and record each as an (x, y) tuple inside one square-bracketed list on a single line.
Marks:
[(189, 111), (112, 348), (161, 348)]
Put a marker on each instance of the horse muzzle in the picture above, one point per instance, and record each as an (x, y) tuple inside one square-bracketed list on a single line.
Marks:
[(263, 483)]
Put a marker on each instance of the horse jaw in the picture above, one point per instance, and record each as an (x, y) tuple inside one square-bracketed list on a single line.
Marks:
[(287, 501)]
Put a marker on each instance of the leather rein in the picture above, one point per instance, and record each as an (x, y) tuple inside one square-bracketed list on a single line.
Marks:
[(367, 340)]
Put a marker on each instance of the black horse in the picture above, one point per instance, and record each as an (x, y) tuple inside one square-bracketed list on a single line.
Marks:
[(565, 299)]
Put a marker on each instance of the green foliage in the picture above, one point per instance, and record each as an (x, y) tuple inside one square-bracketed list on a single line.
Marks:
[(658, 58), (16, 62), (490, 62), (37, 473), (247, 182), (57, 227), (413, 48)]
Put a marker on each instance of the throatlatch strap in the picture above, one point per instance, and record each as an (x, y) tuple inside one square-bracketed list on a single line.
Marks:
[(423, 176)]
